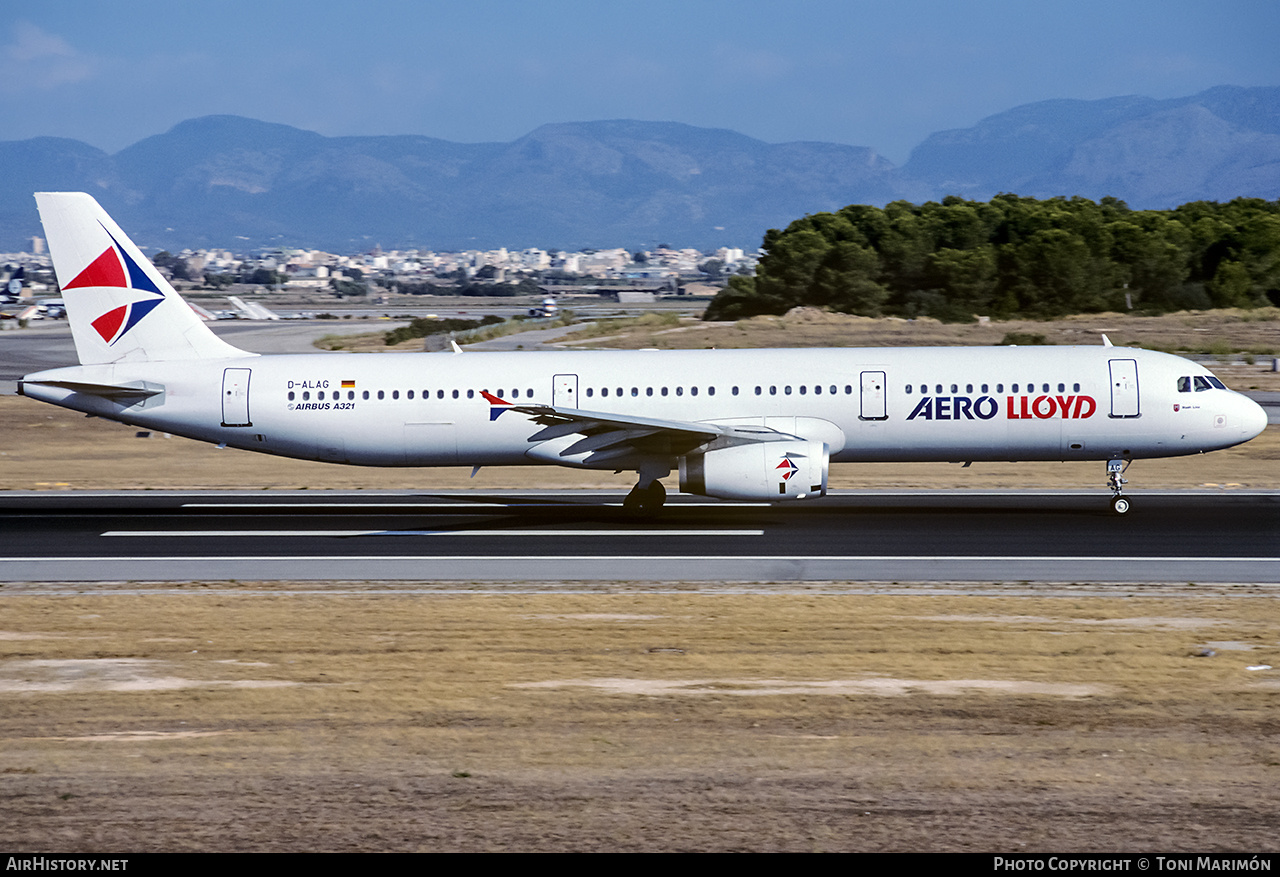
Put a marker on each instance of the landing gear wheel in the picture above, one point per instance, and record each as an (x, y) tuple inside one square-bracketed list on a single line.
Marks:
[(645, 500), (1116, 481), (657, 495)]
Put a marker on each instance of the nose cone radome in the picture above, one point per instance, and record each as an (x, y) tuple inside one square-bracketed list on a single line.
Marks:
[(1253, 418)]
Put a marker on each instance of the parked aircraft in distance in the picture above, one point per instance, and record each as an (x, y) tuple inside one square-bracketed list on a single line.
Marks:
[(252, 310), (737, 424)]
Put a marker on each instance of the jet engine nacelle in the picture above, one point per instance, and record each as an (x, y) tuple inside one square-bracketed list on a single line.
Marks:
[(760, 471)]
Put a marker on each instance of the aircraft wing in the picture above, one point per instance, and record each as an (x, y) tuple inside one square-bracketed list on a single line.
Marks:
[(606, 435)]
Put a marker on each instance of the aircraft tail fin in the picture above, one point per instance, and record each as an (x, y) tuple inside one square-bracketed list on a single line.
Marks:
[(121, 309)]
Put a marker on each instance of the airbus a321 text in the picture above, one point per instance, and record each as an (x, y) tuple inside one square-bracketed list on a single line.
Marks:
[(737, 424)]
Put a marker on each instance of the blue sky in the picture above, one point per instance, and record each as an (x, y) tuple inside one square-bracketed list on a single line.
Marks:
[(877, 74)]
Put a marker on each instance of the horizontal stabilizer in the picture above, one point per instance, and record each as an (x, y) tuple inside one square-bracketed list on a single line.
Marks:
[(132, 390)]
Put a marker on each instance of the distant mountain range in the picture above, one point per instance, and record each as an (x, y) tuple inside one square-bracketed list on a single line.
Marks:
[(236, 183)]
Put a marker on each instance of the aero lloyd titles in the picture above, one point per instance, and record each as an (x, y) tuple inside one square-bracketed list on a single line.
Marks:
[(1045, 407)]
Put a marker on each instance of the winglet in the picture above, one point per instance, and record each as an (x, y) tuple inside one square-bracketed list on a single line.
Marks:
[(454, 345), (1106, 342)]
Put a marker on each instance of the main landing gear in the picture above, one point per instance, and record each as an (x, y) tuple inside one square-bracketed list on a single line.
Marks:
[(1115, 480), (645, 500), (648, 495)]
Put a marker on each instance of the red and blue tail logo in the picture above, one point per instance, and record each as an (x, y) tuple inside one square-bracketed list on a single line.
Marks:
[(114, 268)]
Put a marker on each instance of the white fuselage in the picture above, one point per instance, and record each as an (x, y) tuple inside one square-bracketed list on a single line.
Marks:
[(867, 404)]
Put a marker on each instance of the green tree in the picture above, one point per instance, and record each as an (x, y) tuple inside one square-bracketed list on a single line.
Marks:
[(846, 281)]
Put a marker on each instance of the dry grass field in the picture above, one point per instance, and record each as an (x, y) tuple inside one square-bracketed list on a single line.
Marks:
[(259, 717)]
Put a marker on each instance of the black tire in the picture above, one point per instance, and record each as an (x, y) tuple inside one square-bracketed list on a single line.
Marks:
[(1120, 505), (655, 496), (648, 501)]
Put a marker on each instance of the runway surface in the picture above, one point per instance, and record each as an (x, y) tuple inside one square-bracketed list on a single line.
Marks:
[(960, 536)]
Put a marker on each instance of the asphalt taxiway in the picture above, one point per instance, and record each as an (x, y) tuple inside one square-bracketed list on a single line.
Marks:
[(959, 536)]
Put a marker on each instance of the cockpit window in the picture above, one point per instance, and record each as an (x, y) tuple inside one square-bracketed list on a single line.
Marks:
[(1202, 383), (1184, 384), (1217, 383)]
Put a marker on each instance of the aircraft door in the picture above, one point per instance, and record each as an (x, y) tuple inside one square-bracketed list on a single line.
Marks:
[(873, 396), (1124, 388), (235, 397), (564, 391)]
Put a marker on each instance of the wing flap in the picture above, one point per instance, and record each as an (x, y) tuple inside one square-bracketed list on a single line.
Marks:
[(609, 436)]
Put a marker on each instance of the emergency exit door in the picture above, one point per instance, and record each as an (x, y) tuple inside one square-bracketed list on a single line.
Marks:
[(235, 397)]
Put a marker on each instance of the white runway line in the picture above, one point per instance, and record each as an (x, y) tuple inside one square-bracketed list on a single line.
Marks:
[(462, 506), (945, 558), (332, 533)]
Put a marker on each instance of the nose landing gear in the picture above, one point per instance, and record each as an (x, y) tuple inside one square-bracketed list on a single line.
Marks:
[(1116, 481)]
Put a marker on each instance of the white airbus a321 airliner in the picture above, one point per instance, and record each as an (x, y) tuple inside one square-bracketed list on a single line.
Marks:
[(738, 424)]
